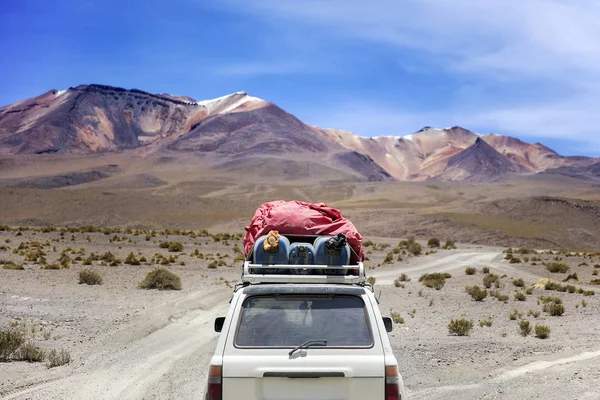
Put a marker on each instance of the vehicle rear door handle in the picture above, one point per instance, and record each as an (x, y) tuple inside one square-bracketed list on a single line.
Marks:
[(331, 374)]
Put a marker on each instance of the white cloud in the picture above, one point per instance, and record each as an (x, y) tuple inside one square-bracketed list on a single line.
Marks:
[(546, 46)]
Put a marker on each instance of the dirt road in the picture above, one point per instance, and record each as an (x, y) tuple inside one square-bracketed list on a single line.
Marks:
[(171, 362)]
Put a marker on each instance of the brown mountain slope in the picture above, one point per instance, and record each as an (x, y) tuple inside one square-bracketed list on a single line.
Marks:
[(98, 118), (479, 163), (399, 157), (588, 173), (535, 157), (425, 154), (266, 130), (102, 119), (229, 130)]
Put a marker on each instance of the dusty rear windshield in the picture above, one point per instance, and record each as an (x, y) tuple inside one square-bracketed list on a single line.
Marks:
[(288, 321)]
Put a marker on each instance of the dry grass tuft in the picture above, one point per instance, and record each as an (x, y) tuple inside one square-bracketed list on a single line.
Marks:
[(541, 331), (90, 277), (161, 279), (460, 327), (57, 358), (524, 327)]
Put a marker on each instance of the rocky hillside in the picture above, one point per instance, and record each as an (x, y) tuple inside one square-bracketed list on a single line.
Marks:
[(479, 163), (232, 130)]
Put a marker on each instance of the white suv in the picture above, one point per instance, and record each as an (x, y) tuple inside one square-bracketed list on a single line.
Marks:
[(301, 337)]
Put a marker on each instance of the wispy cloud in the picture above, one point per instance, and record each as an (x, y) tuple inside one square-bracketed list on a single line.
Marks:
[(536, 64)]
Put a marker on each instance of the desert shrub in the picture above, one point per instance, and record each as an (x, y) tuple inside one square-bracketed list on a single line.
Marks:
[(486, 270), (529, 291), (131, 259), (557, 267), (588, 293), (31, 353), (595, 282), (403, 278), (584, 303), (444, 275), (108, 257), (57, 358), (541, 331), (433, 242), (37, 256), (213, 264), (460, 327), (518, 282), (11, 265), (65, 260), (524, 327), (90, 277), (175, 247), (476, 293), (164, 245), (161, 279), (515, 314), (449, 244), (470, 270), (435, 280), (486, 322), (520, 296), (51, 266), (414, 248), (595, 272), (389, 258), (398, 283), (554, 309), (515, 260), (489, 279), (371, 280), (10, 341), (533, 313), (397, 318), (550, 299)]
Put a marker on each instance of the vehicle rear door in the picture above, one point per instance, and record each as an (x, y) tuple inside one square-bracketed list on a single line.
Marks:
[(260, 362)]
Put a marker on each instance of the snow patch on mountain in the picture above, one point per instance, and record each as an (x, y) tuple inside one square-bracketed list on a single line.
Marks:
[(226, 103)]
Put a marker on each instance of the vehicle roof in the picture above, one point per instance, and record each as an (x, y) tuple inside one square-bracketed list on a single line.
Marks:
[(304, 289)]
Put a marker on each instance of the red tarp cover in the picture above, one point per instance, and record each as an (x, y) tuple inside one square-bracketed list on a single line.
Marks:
[(300, 218)]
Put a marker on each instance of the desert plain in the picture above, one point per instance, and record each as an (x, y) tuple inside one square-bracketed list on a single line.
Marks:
[(125, 342)]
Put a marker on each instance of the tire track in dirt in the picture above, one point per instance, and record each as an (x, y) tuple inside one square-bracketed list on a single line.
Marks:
[(129, 374), (446, 263), (502, 385)]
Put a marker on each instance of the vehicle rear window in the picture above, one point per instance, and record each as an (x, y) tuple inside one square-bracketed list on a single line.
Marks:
[(288, 321)]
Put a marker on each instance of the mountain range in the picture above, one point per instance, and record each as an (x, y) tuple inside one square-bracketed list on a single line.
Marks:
[(242, 132)]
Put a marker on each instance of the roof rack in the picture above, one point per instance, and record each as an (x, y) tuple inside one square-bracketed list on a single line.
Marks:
[(254, 273)]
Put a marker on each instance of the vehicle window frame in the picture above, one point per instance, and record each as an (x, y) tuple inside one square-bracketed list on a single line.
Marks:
[(306, 296)]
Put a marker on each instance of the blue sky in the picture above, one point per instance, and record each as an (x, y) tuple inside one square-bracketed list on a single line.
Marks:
[(381, 67)]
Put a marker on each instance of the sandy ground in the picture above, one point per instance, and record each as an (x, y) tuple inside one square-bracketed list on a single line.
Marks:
[(130, 343)]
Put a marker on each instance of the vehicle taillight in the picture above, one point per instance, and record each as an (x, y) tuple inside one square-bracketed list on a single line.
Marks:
[(392, 389), (214, 390)]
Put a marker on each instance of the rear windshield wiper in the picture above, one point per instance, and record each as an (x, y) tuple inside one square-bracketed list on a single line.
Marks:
[(308, 343)]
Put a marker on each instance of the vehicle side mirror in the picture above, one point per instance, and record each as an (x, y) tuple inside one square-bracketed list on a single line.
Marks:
[(387, 321), (219, 321)]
